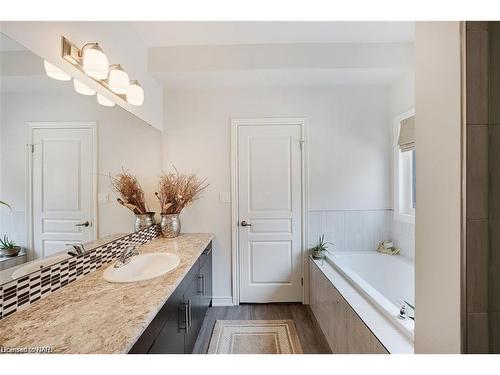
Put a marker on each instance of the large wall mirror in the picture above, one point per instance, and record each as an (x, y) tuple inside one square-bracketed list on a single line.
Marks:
[(57, 151)]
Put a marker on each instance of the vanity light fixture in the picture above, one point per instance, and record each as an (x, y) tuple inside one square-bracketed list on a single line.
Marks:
[(102, 100), (82, 88), (54, 72), (118, 79), (135, 93), (95, 62), (91, 60)]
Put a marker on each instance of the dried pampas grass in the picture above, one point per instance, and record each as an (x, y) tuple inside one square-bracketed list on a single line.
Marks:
[(176, 191), (130, 192)]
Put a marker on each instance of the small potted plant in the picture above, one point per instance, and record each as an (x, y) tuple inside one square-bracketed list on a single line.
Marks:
[(318, 251), (8, 248)]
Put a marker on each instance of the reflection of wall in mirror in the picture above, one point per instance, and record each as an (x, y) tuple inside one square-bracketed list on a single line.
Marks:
[(124, 141)]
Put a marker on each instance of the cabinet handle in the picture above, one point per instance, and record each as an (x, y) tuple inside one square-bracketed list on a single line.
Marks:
[(185, 322), (190, 316), (202, 291), (208, 251)]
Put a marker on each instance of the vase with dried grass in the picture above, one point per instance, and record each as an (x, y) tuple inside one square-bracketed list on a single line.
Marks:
[(131, 196), (176, 191)]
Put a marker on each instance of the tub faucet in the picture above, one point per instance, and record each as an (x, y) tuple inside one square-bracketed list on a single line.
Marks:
[(403, 312)]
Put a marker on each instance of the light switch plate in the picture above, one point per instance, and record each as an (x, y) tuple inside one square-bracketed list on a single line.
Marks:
[(225, 197), (103, 198)]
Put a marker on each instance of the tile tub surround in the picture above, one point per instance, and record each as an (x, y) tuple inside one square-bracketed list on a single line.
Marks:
[(93, 316), (361, 230), (18, 294)]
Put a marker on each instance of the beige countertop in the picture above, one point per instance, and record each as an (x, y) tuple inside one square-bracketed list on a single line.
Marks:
[(91, 315)]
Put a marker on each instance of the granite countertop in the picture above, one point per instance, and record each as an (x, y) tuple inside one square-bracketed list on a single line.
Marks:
[(91, 315)]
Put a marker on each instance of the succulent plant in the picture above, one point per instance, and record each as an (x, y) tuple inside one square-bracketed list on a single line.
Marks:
[(6, 243), (321, 247)]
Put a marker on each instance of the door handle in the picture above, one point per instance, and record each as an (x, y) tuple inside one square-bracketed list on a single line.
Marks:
[(84, 224), (245, 224)]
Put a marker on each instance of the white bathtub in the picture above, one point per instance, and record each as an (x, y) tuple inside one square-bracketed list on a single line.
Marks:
[(374, 284)]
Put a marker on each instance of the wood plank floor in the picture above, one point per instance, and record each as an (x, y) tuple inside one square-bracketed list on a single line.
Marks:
[(311, 337)]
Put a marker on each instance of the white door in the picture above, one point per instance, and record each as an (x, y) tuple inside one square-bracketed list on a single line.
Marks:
[(63, 159), (270, 213)]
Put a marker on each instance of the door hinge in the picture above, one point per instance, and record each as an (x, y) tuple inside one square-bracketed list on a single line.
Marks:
[(301, 281), (32, 146), (301, 143)]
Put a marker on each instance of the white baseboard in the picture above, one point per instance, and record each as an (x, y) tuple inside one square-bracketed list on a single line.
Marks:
[(222, 301)]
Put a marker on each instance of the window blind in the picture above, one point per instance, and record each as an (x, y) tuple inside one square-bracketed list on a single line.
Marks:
[(406, 140)]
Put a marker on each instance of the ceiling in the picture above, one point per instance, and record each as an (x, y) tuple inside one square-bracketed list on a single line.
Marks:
[(163, 33), (7, 44), (199, 55)]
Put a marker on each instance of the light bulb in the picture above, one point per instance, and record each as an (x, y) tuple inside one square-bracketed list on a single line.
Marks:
[(54, 72), (95, 62), (82, 88), (102, 100), (118, 80), (135, 93)]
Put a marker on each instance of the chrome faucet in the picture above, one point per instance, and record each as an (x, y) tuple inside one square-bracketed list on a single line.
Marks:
[(78, 248), (403, 310), (125, 256)]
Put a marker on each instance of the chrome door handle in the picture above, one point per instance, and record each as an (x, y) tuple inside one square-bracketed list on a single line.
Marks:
[(245, 224), (84, 224)]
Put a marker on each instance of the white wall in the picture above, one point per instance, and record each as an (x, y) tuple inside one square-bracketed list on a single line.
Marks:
[(401, 100), (124, 141), (349, 151), (438, 212), (118, 40)]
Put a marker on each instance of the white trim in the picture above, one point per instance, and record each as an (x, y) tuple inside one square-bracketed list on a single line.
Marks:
[(29, 172), (398, 216), (235, 124), (222, 301)]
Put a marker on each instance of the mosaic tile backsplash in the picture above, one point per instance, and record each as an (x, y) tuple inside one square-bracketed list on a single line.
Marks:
[(20, 293)]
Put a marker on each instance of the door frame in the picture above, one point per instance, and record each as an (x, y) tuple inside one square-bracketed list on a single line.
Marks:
[(30, 127), (236, 123)]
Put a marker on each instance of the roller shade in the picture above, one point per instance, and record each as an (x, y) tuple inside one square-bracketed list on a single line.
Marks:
[(406, 140)]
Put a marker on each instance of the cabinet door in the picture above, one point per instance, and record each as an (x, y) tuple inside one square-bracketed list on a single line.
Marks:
[(205, 278), (171, 337), (192, 301)]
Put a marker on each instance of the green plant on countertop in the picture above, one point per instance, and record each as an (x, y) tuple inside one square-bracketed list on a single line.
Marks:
[(5, 243), (318, 251)]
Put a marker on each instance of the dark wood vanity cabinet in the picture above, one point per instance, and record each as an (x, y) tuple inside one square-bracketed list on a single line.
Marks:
[(175, 328)]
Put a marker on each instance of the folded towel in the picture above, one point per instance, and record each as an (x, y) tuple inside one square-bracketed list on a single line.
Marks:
[(391, 250)]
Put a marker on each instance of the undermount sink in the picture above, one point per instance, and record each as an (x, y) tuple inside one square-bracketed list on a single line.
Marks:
[(142, 267)]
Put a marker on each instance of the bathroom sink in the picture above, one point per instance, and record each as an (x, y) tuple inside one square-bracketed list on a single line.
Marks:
[(142, 267), (37, 265)]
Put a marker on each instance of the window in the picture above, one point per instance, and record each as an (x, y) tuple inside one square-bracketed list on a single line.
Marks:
[(404, 167)]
